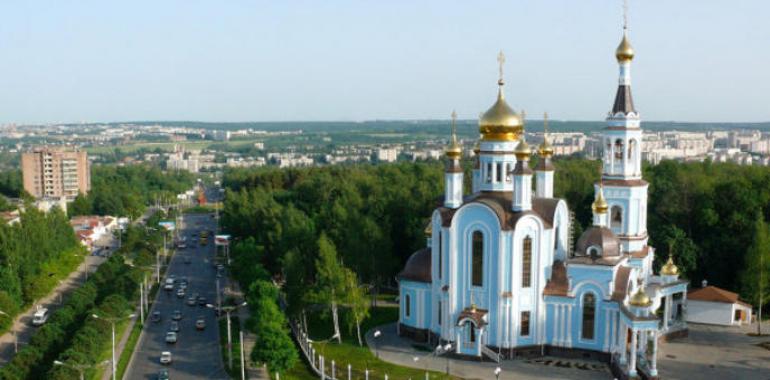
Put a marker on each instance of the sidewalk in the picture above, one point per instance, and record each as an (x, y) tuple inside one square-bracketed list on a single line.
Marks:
[(22, 325), (401, 351), (249, 339)]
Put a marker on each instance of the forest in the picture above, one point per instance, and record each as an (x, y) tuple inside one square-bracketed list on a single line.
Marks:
[(34, 255), (705, 213)]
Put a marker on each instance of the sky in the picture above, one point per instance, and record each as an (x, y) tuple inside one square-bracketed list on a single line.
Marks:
[(335, 60)]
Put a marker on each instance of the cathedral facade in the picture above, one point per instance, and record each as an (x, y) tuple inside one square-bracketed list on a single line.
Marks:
[(499, 276)]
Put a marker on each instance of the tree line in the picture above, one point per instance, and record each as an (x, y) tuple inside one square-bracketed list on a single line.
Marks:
[(71, 334), (127, 190), (703, 213)]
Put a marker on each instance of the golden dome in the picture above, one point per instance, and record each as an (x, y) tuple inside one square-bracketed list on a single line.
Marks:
[(624, 52), (669, 269), (640, 298), (453, 151), (500, 122), (600, 205), (522, 151), (545, 149)]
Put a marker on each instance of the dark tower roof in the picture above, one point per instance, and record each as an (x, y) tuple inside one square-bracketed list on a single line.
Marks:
[(623, 101)]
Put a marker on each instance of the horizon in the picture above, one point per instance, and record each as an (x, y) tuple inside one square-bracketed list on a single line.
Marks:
[(348, 61)]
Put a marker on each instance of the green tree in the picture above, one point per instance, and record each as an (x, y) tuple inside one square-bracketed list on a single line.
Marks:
[(756, 275), (330, 281)]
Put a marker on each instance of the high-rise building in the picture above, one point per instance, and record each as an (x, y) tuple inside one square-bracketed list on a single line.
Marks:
[(55, 172)]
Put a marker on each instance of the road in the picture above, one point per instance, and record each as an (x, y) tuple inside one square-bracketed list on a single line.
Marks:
[(197, 354)]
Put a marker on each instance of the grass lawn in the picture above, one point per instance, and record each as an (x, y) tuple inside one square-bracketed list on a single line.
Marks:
[(349, 352)]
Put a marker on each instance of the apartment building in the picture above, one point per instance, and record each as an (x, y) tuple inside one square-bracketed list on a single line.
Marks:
[(51, 172)]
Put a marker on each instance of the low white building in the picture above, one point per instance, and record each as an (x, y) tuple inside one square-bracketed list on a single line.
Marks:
[(716, 306)]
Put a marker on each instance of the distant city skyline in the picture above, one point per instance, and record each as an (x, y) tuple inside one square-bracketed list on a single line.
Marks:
[(228, 61)]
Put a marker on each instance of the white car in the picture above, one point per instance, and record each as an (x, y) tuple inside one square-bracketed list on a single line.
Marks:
[(171, 337), (40, 316), (165, 357)]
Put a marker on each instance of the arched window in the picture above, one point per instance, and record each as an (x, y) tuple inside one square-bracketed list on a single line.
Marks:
[(526, 263), (439, 313), (489, 172), (589, 314), (616, 217), (407, 306), (631, 148), (499, 174), (618, 149), (477, 257), (471, 332)]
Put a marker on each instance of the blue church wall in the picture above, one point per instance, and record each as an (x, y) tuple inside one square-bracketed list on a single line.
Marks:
[(419, 310)]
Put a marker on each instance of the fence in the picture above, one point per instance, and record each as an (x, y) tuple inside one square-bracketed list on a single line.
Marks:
[(324, 369)]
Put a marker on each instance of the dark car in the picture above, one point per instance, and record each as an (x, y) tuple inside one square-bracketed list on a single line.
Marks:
[(155, 316), (163, 374), (176, 315), (200, 323), (202, 301)]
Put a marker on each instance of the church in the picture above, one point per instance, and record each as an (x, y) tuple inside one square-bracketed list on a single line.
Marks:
[(499, 277)]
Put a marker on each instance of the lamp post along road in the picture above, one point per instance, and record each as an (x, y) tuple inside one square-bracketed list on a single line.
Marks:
[(112, 322), (228, 310)]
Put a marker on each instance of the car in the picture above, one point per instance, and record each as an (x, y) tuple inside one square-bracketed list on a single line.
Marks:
[(155, 316), (183, 286), (171, 337), (180, 293), (168, 287), (174, 326), (200, 323), (162, 375), (202, 301), (191, 301), (165, 357), (40, 316), (176, 315)]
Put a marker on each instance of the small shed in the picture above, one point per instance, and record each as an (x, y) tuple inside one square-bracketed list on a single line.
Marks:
[(717, 306)]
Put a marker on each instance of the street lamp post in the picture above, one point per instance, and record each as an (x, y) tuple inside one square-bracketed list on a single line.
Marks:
[(112, 322), (80, 368), (377, 334), (228, 310), (446, 353)]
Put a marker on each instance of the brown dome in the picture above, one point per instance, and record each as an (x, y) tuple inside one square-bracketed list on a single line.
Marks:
[(418, 266), (601, 237)]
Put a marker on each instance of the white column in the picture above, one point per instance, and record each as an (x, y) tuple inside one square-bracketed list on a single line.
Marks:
[(668, 311), (632, 358), (623, 345), (544, 183), (654, 358)]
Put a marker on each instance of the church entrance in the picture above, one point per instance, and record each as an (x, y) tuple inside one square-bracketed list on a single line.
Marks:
[(470, 331)]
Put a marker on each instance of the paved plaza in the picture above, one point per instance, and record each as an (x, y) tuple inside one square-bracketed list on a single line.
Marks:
[(710, 352)]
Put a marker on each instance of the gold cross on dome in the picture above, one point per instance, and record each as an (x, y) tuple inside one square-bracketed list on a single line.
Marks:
[(454, 123), (545, 123), (501, 61)]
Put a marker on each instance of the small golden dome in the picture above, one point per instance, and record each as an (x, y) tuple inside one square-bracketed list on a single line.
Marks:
[(545, 149), (522, 151), (600, 205), (669, 269), (500, 122), (640, 298), (624, 52), (453, 151)]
